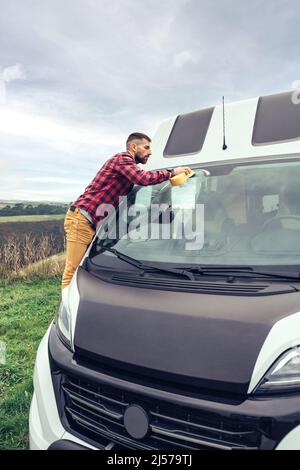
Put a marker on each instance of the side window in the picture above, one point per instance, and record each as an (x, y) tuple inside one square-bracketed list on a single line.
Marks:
[(277, 120), (188, 133)]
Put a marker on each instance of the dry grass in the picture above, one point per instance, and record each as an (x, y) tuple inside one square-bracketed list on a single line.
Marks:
[(30, 256), (49, 267)]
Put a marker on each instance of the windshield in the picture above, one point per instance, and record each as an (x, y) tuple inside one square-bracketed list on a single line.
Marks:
[(248, 214)]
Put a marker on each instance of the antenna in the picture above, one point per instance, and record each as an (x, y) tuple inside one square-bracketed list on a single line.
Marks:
[(224, 143)]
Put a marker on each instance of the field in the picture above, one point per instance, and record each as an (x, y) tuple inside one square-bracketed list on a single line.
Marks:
[(31, 218), (29, 295), (25, 242), (30, 277), (20, 228), (26, 310)]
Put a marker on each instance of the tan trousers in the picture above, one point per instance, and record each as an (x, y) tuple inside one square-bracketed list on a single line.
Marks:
[(79, 234)]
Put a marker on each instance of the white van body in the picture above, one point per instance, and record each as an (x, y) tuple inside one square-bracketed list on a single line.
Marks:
[(248, 142), (239, 124)]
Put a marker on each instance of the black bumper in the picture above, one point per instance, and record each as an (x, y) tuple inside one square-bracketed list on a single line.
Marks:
[(219, 423), (64, 444)]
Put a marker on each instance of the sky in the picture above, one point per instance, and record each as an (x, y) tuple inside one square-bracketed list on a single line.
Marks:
[(78, 76)]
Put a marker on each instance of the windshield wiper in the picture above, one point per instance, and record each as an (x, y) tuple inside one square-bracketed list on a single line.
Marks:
[(190, 271), (144, 266), (237, 271)]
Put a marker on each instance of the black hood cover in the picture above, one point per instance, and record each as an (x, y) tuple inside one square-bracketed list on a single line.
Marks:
[(211, 340)]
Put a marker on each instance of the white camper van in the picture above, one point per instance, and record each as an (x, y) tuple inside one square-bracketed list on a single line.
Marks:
[(156, 346)]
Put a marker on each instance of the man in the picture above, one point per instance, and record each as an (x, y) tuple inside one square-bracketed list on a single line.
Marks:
[(116, 178)]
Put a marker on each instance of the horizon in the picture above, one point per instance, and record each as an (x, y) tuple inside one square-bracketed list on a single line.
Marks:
[(16, 201)]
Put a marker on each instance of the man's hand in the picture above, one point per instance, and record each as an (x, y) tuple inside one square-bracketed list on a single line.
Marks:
[(181, 169)]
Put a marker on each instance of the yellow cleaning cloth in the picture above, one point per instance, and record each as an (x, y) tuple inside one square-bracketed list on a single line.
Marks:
[(181, 178)]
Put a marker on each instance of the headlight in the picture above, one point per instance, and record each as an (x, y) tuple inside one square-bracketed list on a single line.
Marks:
[(63, 324), (284, 375)]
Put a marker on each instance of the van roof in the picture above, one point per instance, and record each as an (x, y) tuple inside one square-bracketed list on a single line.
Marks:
[(263, 126)]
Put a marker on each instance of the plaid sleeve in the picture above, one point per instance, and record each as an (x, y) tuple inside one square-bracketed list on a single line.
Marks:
[(128, 168)]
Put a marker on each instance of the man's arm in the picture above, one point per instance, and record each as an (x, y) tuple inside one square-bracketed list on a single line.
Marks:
[(128, 168)]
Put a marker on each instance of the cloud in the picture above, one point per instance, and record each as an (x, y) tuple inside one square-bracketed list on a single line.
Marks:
[(2, 93), (38, 195), (9, 74), (183, 58), (56, 180), (59, 134), (83, 75)]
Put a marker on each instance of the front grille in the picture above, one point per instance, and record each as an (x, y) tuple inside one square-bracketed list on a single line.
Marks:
[(96, 411)]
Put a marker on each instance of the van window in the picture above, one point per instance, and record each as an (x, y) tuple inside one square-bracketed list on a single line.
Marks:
[(277, 119), (247, 214), (188, 133)]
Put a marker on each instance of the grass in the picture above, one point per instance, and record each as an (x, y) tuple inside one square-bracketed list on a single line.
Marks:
[(26, 310), (30, 254), (43, 269), (30, 218)]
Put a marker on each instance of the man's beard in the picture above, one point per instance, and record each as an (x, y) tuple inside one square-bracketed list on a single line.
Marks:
[(139, 159)]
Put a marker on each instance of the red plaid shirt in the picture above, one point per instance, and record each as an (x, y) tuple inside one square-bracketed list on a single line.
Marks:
[(116, 178)]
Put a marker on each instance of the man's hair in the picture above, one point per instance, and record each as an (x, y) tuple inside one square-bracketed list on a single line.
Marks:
[(137, 136)]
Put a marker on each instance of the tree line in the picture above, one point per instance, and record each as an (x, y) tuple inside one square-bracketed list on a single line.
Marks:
[(29, 209)]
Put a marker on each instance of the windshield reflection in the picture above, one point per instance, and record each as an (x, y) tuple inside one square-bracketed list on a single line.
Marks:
[(250, 215)]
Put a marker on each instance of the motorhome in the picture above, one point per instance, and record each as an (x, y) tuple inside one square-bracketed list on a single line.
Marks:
[(187, 339)]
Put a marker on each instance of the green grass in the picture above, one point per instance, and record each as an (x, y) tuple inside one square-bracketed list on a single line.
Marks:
[(31, 218), (26, 310)]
